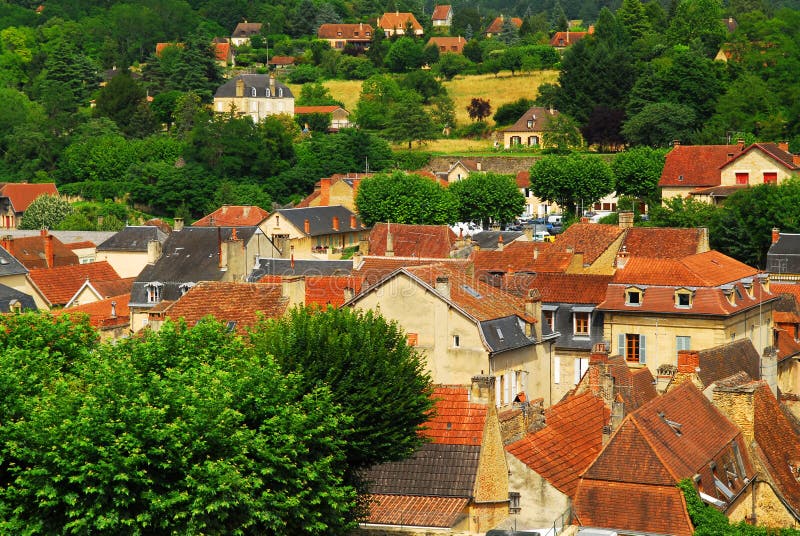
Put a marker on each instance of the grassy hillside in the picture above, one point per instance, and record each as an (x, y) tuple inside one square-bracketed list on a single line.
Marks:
[(500, 89)]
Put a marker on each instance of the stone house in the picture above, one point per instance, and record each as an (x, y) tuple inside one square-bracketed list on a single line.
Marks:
[(42, 251), (530, 128), (110, 316), (16, 282), (448, 45), (16, 197), (338, 189), (127, 250), (320, 232), (233, 216), (397, 22), (496, 25), (244, 31), (339, 117), (254, 95), (340, 35), (442, 15)]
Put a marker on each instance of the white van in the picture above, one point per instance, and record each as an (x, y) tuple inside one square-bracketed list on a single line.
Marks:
[(555, 219)]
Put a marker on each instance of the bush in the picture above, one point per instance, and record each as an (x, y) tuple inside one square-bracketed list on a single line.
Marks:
[(302, 74), (476, 130), (351, 68), (410, 160), (95, 190), (45, 212)]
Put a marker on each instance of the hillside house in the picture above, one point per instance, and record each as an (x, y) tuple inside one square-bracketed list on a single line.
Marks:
[(448, 45), (321, 232), (244, 31), (397, 23), (338, 189), (442, 16), (358, 36), (16, 197), (562, 40), (339, 117), (43, 251), (530, 128), (254, 95), (496, 26), (233, 216), (127, 250)]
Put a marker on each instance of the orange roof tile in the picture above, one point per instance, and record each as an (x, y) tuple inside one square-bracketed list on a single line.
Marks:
[(430, 241), (329, 290), (781, 288), (60, 284), (100, 312), (114, 287), (497, 24), (30, 251), (518, 256), (86, 244), (696, 165), (22, 194), (590, 239), (448, 44), (398, 21), (709, 269), (565, 39), (300, 110), (523, 179), (349, 32), (564, 448), (441, 11), (373, 269), (562, 288), (455, 420), (661, 242), (233, 216), (161, 46), (222, 51), (281, 60), (787, 345), (229, 301), (414, 510)]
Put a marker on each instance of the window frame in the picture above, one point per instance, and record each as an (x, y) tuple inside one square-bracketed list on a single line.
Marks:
[(575, 323), (630, 292)]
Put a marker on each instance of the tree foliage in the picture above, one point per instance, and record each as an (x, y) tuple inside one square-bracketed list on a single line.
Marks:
[(45, 212), (637, 172), (479, 109), (405, 198), (488, 197), (571, 181)]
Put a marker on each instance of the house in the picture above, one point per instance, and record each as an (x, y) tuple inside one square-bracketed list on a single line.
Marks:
[(93, 291), (43, 251), (14, 301), (373, 269), (530, 128), (254, 95), (127, 250), (358, 36), (309, 282), (16, 197), (110, 316), (631, 486), (223, 52), (190, 255), (338, 189), (457, 481), (59, 285), (656, 307), (86, 250), (448, 45), (496, 25), (340, 118), (461, 168), (786, 317), (236, 304), (233, 216), (706, 367), (396, 23), (403, 240), (314, 232), (561, 40), (280, 62), (14, 276), (244, 31), (464, 326), (493, 266), (442, 16)]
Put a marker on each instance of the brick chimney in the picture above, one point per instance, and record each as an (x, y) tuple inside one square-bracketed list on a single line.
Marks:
[(533, 309), (783, 146), (356, 183), (307, 226), (335, 223), (676, 143), (443, 286), (776, 235), (49, 256), (688, 361), (738, 404), (702, 242), (353, 222), (740, 144), (625, 219), (599, 354), (6, 243), (358, 259), (500, 244), (324, 192)]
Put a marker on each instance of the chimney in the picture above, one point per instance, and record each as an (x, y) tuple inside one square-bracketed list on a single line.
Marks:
[(769, 368), (272, 84), (179, 224), (353, 222), (389, 242), (536, 253), (307, 226), (783, 146), (622, 258), (49, 256), (776, 235), (113, 309), (348, 293), (358, 260), (482, 389), (335, 223), (479, 166), (740, 144), (153, 251), (356, 183), (599, 354), (234, 258), (246, 211), (533, 309), (625, 219), (294, 288), (688, 361), (702, 243), (737, 403), (676, 143), (7, 239), (584, 219), (500, 242), (443, 286), (240, 87), (325, 192)]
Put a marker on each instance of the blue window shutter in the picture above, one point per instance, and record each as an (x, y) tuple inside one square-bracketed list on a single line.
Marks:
[(641, 349), (621, 346)]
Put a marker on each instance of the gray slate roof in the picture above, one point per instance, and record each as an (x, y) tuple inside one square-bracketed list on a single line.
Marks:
[(283, 267), (488, 239), (67, 237), (7, 294), (503, 334), (9, 265), (259, 82), (320, 219), (434, 470), (188, 256), (783, 256), (133, 238)]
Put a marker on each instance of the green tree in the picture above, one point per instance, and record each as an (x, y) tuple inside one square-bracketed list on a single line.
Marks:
[(479, 109), (682, 212), (424, 83), (357, 355), (378, 93), (473, 51), (316, 94), (450, 65), (488, 197), (45, 212), (511, 60), (122, 101), (571, 181), (659, 124), (180, 431), (404, 55), (507, 114), (443, 112), (408, 120), (637, 172), (562, 134), (405, 198), (698, 23)]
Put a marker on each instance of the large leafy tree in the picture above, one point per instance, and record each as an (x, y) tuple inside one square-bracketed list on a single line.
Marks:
[(176, 432), (360, 357), (637, 172), (659, 124), (123, 101), (683, 212), (405, 198), (45, 212), (571, 181), (409, 121), (488, 197)]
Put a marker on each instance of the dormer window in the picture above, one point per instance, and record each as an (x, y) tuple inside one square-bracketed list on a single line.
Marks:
[(683, 298), (268, 95), (730, 294), (280, 92), (185, 287), (633, 296), (748, 287), (153, 290), (530, 123), (252, 92), (369, 33)]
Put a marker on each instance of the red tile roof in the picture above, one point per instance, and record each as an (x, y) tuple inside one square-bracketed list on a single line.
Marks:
[(86, 244), (696, 165), (661, 242), (590, 239), (398, 21), (711, 268), (281, 60), (99, 312), (441, 12), (565, 39), (222, 51), (634, 387), (564, 448), (497, 24), (329, 290), (448, 44), (114, 287), (772, 151), (233, 216), (60, 284), (229, 301), (518, 256), (430, 241), (373, 269), (456, 420), (523, 179), (350, 32), (300, 110), (782, 288), (564, 288), (22, 194), (161, 46), (30, 251), (414, 510)]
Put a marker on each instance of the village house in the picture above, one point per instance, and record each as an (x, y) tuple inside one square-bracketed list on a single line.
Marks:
[(397, 23), (411, 241), (496, 26), (339, 117), (244, 31), (562, 40), (457, 481), (59, 285), (15, 281), (42, 251), (126, 251), (442, 16), (783, 257), (338, 189), (16, 197), (706, 367), (529, 129), (321, 232), (448, 45), (254, 95), (233, 216), (358, 36), (110, 316)]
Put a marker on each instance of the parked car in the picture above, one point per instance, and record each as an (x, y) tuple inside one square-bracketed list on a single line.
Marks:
[(541, 236)]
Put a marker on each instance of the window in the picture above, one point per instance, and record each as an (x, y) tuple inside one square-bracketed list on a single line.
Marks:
[(516, 140), (770, 177), (533, 141), (632, 346), (185, 287), (581, 324), (633, 296), (412, 339), (549, 318), (581, 366), (530, 123), (456, 341), (153, 292), (280, 92), (683, 342), (369, 33), (252, 92), (339, 34), (514, 502), (267, 92), (683, 298), (742, 177)]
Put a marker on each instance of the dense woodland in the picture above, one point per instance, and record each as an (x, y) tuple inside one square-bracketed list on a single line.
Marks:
[(645, 77)]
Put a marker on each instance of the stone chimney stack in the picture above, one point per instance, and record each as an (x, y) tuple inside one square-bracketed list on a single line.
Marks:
[(688, 361), (389, 242), (482, 389), (356, 183), (535, 253), (234, 253), (776, 235), (7, 240), (307, 226), (783, 146), (533, 309), (113, 309), (178, 224), (599, 355), (153, 251), (335, 223), (625, 219), (622, 258), (325, 192), (702, 243), (737, 403), (740, 144), (769, 368), (349, 292), (240, 87), (500, 244), (443, 286), (358, 259)]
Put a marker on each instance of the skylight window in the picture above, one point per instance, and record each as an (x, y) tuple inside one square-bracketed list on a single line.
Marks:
[(471, 291), (676, 426), (500, 333)]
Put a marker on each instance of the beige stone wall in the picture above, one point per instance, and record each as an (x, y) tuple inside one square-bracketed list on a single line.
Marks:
[(495, 164), (485, 516), (739, 408), (304, 245), (755, 163), (491, 481), (668, 192), (540, 502), (257, 108), (569, 365), (789, 376), (604, 264), (125, 263), (22, 283)]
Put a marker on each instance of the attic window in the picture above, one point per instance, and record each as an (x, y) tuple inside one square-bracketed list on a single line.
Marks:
[(153, 291), (748, 287), (267, 92), (500, 333), (730, 294), (185, 287), (252, 92), (633, 296), (683, 298), (530, 123), (369, 33), (680, 177), (280, 92), (471, 291)]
